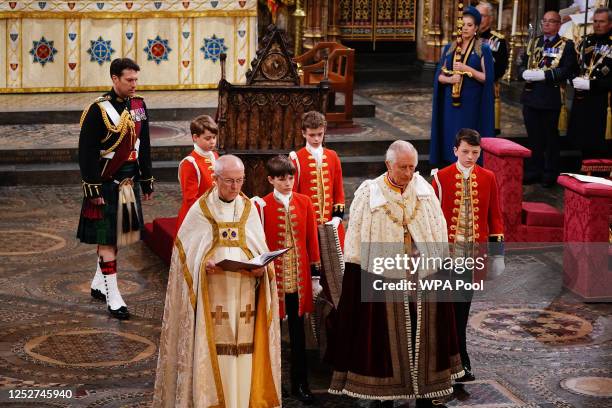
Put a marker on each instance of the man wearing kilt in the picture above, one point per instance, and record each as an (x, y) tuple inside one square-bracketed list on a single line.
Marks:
[(115, 163)]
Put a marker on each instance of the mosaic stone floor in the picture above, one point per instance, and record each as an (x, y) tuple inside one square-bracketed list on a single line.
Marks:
[(532, 346), (536, 347)]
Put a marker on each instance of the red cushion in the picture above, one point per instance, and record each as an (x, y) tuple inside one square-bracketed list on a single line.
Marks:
[(159, 236), (585, 189), (166, 226), (542, 215), (504, 147)]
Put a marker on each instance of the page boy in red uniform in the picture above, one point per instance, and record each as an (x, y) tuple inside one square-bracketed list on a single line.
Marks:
[(319, 173), (289, 222), (468, 195), (195, 171)]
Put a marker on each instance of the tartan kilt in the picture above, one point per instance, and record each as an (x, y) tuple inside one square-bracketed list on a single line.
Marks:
[(104, 231)]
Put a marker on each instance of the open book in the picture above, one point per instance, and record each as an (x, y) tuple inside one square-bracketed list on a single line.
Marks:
[(257, 262)]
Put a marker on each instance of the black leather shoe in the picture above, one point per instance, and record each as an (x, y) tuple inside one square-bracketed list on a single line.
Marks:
[(98, 295), (121, 313), (459, 392), (467, 377), (303, 394)]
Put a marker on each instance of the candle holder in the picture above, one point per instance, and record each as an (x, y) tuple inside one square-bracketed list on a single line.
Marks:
[(508, 75), (298, 15)]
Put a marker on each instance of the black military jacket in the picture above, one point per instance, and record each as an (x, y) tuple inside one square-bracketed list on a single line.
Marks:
[(95, 138), (558, 59), (499, 48), (597, 61)]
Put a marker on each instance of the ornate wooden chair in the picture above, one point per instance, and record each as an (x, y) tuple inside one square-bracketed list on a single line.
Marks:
[(336, 63)]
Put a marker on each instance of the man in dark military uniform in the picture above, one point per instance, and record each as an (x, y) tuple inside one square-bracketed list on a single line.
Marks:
[(587, 127), (115, 162), (499, 48), (549, 63)]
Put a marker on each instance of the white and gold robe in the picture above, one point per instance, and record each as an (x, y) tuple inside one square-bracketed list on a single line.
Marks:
[(374, 355), (220, 340)]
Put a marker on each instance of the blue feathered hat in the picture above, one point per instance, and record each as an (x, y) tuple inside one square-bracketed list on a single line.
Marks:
[(472, 11)]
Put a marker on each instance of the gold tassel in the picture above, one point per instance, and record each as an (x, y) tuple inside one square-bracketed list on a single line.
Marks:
[(609, 120), (562, 126), (497, 108), (563, 119)]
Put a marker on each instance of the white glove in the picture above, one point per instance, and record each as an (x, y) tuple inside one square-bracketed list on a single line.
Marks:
[(335, 221), (316, 287), (534, 75), (582, 83), (496, 267), (527, 74)]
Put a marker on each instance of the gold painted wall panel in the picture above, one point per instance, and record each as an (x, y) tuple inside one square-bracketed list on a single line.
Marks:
[(93, 73), (172, 32), (161, 70), (45, 39), (4, 45)]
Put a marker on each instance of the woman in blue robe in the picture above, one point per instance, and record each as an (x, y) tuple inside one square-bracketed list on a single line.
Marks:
[(476, 101)]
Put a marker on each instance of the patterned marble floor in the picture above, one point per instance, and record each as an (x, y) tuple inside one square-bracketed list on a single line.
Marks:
[(536, 347)]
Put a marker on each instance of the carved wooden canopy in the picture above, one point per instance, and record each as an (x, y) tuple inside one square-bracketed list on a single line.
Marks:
[(273, 64), (263, 117)]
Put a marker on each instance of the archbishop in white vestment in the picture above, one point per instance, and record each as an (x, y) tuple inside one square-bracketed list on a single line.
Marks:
[(220, 340)]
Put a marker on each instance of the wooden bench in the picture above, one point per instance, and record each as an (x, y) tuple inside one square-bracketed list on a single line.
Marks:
[(334, 63)]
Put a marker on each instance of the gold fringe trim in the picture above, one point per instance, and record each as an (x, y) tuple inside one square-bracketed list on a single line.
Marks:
[(234, 350), (596, 169), (458, 375), (91, 189), (84, 114), (435, 394)]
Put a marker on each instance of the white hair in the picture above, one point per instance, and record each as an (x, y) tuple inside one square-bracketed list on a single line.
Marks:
[(488, 6), (397, 147), (225, 161)]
